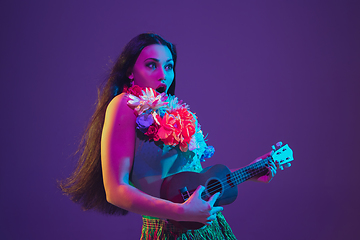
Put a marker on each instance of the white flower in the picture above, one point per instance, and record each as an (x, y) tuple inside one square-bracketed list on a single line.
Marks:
[(193, 144), (197, 143), (146, 101), (134, 101), (174, 104)]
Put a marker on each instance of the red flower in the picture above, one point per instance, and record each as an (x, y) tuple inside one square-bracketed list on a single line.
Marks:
[(188, 131), (177, 128), (135, 90), (168, 131), (152, 132)]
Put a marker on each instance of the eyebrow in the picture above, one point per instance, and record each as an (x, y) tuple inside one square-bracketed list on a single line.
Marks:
[(157, 60)]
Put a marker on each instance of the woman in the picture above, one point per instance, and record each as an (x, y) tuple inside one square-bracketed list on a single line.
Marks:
[(138, 135)]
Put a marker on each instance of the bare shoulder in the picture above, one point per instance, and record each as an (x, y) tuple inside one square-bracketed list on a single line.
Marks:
[(119, 116), (119, 109), (119, 103)]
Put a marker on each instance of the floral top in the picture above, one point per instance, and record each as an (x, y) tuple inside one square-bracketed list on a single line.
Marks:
[(169, 122)]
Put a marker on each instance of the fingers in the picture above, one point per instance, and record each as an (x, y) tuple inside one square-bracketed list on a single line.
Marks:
[(210, 219), (199, 190), (213, 213), (199, 210), (214, 210), (213, 199), (273, 171), (273, 166)]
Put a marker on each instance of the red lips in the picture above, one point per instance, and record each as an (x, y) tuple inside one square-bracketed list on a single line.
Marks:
[(161, 88)]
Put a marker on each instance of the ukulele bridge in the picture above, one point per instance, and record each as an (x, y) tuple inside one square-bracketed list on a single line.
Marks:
[(184, 193)]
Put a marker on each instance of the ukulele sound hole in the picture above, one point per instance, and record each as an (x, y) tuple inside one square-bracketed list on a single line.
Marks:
[(213, 186)]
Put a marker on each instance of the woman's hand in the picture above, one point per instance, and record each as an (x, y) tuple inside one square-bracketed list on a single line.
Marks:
[(198, 210), (273, 166), (271, 171)]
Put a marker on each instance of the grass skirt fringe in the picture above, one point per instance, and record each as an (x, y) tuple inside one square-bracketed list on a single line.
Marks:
[(158, 229)]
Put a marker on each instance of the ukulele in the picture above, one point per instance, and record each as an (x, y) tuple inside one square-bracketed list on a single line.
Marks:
[(218, 178)]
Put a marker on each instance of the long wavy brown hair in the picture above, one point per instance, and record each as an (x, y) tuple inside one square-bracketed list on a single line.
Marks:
[(85, 185)]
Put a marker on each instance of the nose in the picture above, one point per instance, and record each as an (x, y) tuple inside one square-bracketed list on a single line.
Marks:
[(161, 74)]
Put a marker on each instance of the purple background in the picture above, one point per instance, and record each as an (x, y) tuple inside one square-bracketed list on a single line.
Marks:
[(255, 72)]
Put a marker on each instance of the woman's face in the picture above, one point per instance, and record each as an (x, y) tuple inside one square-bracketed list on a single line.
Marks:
[(154, 68)]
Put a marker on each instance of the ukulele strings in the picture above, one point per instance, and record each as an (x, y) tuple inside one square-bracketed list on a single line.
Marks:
[(212, 187), (236, 177), (259, 167), (217, 185)]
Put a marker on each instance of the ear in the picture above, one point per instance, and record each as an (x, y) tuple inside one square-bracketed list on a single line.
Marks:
[(131, 76)]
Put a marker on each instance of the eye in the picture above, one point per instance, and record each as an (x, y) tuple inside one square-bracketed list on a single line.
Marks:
[(169, 67), (151, 65)]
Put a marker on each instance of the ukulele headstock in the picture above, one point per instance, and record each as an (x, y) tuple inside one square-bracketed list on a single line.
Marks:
[(283, 155)]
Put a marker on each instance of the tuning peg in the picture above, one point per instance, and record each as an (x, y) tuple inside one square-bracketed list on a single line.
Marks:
[(286, 165), (276, 146)]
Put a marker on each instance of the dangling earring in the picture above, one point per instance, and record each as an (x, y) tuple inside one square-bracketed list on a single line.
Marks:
[(131, 78), (128, 85)]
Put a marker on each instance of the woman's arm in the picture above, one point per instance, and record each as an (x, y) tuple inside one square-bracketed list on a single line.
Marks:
[(117, 151)]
